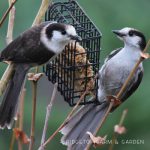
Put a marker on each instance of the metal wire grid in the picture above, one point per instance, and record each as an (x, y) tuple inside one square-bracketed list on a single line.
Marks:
[(62, 70)]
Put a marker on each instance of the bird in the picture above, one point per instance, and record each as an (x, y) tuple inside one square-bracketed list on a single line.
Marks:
[(33, 47), (111, 76)]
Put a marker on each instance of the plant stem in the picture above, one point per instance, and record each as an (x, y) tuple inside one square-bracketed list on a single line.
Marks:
[(9, 36), (21, 114), (32, 132), (12, 141), (66, 120), (38, 19), (41, 12), (11, 147), (7, 12), (115, 135), (48, 112), (123, 117)]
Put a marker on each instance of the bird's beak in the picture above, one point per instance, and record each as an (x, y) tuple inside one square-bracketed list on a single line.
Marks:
[(76, 38), (118, 33)]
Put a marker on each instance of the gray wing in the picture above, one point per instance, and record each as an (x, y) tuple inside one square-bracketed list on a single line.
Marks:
[(134, 85), (113, 53), (114, 88), (102, 70)]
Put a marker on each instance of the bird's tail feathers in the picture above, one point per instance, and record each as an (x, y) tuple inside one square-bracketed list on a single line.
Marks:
[(86, 119), (8, 107)]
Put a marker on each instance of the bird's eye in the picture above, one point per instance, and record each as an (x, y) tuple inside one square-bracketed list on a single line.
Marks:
[(131, 33), (63, 32)]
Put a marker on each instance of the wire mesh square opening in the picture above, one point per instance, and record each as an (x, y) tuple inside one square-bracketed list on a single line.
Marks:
[(74, 70)]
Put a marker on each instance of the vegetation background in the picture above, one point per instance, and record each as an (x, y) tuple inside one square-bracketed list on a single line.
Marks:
[(107, 15)]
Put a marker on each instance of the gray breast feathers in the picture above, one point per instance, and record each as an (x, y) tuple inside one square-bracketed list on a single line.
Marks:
[(112, 76)]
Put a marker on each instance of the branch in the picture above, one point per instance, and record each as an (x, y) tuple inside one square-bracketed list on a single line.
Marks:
[(66, 120), (123, 117), (112, 102), (11, 147), (7, 12), (9, 36), (41, 12), (21, 114), (49, 108), (9, 70), (34, 89), (34, 78), (5, 78), (38, 19), (115, 134), (68, 116)]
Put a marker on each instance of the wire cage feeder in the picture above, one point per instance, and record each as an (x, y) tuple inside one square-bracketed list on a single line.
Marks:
[(74, 70)]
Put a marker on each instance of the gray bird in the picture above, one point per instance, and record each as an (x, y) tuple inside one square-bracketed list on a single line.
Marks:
[(33, 47), (112, 75)]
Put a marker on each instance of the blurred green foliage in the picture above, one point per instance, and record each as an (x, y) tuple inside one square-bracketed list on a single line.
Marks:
[(107, 15)]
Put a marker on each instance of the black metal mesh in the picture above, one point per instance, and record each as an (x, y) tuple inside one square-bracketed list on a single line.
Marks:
[(63, 69)]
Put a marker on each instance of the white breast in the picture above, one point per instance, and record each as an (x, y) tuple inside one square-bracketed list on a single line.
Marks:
[(116, 70)]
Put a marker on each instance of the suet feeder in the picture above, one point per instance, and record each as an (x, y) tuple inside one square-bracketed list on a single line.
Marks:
[(74, 70)]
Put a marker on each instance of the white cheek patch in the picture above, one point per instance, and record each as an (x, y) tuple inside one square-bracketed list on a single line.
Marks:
[(57, 36), (55, 44)]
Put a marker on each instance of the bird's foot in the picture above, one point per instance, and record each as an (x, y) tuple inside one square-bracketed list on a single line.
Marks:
[(145, 55), (113, 98)]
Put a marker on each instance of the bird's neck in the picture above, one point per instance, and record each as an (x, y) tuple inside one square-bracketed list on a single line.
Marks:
[(131, 52)]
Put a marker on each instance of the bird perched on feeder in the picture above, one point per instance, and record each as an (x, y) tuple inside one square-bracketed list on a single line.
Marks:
[(112, 76), (33, 47)]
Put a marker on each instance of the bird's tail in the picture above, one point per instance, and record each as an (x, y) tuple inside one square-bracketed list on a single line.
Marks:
[(9, 103), (86, 119)]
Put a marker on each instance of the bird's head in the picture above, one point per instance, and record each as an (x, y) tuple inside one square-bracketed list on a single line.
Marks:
[(131, 37), (57, 35)]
